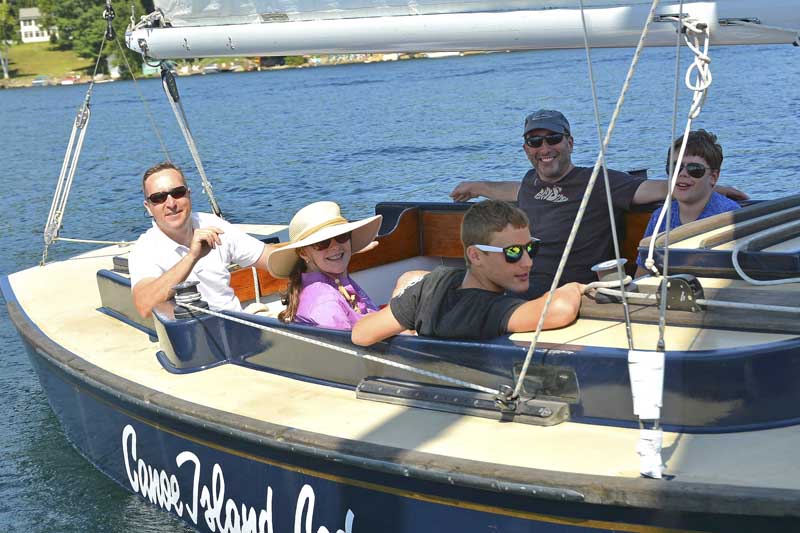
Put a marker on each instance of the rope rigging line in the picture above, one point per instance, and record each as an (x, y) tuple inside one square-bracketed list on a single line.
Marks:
[(693, 32), (75, 145), (602, 159), (699, 86), (171, 89), (585, 200), (646, 370), (662, 317), (649, 297), (94, 241), (144, 102), (70, 164), (354, 353)]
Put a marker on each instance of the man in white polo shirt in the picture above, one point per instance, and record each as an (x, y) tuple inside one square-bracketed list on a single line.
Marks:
[(183, 245)]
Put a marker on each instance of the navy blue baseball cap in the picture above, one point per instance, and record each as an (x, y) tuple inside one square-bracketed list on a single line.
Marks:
[(546, 119)]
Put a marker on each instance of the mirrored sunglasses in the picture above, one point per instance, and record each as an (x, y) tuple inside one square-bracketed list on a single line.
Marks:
[(535, 141), (161, 196), (695, 170), (513, 253), (323, 245)]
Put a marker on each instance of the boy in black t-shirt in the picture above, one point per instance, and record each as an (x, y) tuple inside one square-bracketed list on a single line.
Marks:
[(471, 303)]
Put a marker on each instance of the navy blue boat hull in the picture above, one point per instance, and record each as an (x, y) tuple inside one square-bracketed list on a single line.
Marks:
[(217, 476)]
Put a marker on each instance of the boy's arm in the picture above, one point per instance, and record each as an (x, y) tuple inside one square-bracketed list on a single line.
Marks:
[(651, 191), (375, 327), (563, 310)]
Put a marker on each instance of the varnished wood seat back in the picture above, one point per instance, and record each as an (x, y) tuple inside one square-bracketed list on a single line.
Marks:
[(425, 231), (417, 232)]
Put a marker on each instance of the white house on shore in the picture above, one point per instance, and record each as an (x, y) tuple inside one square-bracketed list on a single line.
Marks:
[(29, 28)]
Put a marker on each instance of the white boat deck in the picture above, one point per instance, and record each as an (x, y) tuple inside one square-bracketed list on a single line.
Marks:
[(67, 313)]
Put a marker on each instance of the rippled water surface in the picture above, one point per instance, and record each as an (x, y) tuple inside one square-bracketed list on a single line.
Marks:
[(358, 134)]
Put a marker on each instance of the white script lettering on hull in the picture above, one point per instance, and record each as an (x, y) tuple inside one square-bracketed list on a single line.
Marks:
[(225, 516)]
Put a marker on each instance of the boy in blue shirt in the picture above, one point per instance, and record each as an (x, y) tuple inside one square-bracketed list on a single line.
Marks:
[(694, 197)]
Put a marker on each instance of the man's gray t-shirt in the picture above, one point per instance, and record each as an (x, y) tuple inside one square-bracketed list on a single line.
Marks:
[(552, 208)]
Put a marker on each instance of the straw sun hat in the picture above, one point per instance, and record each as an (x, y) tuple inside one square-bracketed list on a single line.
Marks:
[(314, 223)]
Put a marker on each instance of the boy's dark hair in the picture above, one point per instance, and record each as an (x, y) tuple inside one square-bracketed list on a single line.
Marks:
[(487, 217), (701, 143)]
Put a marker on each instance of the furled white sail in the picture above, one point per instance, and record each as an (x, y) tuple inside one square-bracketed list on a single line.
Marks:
[(198, 28), (221, 12)]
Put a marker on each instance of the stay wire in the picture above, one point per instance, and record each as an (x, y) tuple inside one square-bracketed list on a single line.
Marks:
[(662, 310), (97, 61), (692, 32), (330, 346), (171, 91), (585, 200), (72, 155), (727, 304), (144, 103), (70, 164), (602, 156)]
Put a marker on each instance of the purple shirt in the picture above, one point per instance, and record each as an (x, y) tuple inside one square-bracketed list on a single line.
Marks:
[(321, 303)]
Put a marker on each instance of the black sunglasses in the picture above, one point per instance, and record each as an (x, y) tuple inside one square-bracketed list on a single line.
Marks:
[(513, 252), (161, 196), (323, 245), (535, 141), (695, 170)]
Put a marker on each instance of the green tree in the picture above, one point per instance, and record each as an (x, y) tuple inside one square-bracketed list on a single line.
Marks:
[(8, 32), (81, 28)]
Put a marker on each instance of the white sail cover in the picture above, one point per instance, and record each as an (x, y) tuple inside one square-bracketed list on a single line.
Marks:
[(198, 28), (221, 12), (213, 12)]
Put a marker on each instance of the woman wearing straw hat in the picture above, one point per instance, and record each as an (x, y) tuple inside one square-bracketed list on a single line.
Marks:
[(315, 261)]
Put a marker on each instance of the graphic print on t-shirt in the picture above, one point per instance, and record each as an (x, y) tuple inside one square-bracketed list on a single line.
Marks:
[(551, 194)]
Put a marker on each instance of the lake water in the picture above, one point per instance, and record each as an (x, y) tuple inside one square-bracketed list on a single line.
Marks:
[(359, 134)]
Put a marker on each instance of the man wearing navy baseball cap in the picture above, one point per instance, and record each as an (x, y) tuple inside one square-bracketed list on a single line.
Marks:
[(551, 193)]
